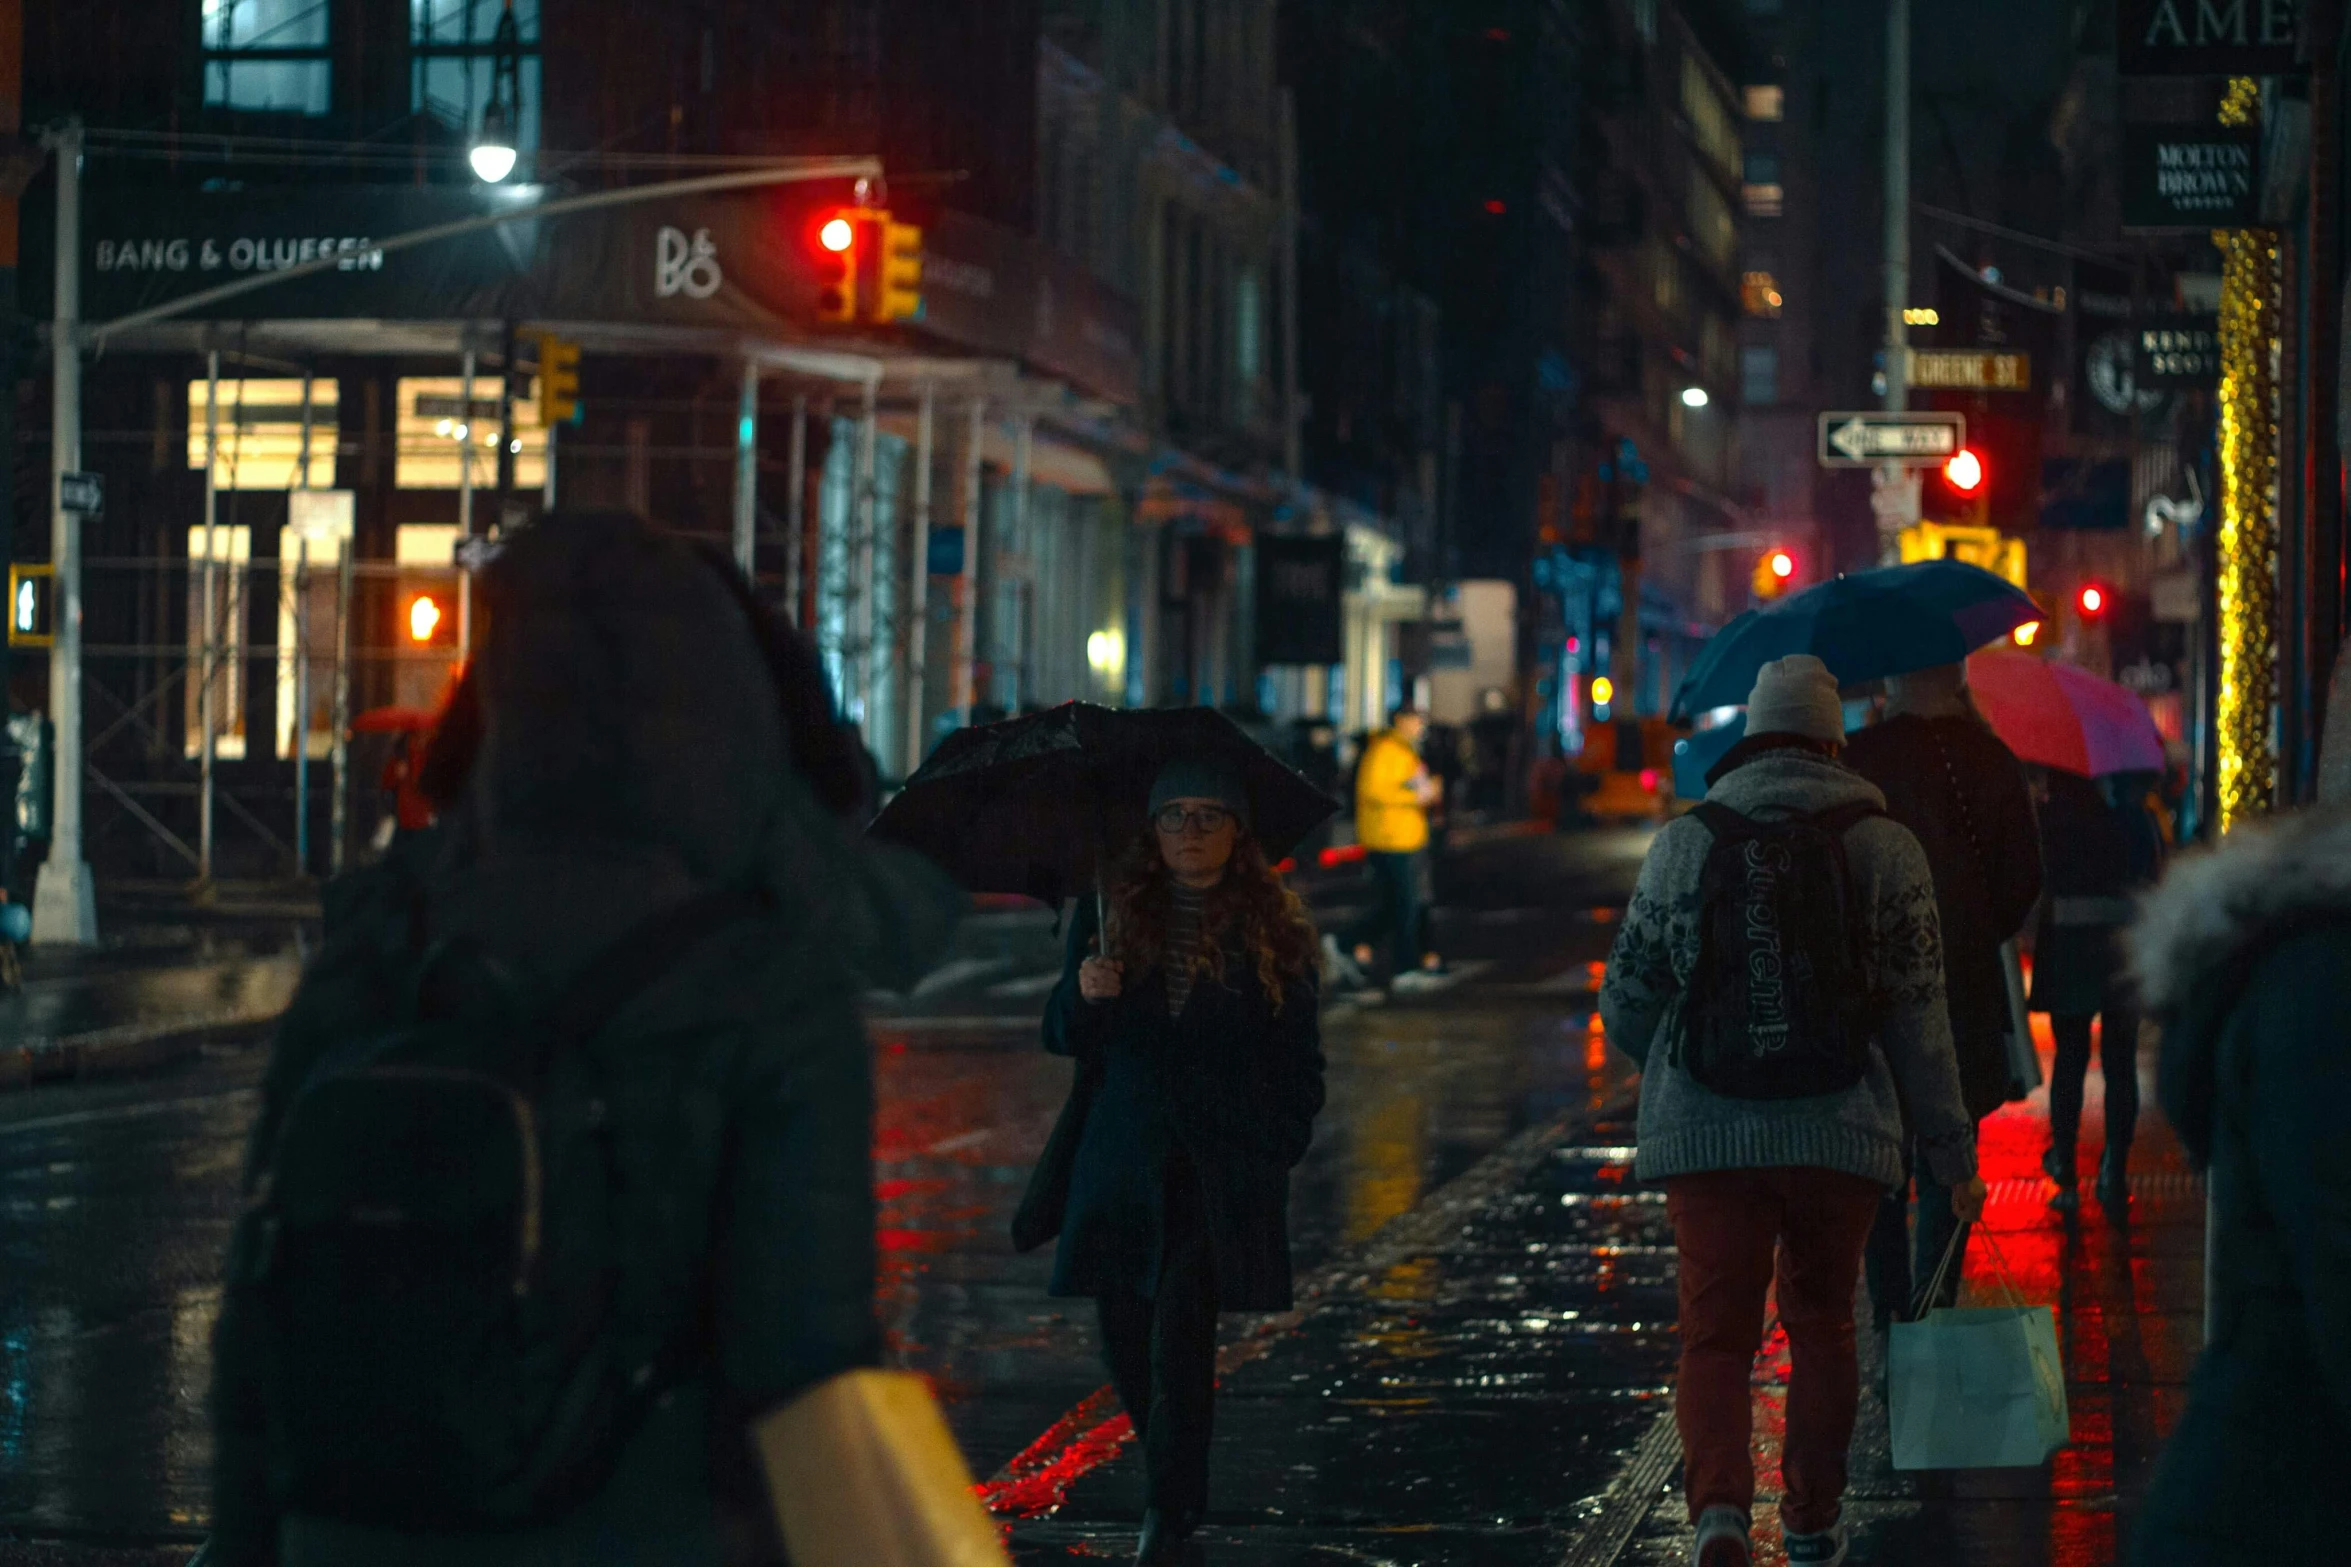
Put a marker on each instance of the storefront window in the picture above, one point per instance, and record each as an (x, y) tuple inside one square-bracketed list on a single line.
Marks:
[(258, 427), (437, 427)]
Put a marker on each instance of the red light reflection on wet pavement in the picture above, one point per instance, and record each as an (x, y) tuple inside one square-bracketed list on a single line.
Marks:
[(2129, 1322)]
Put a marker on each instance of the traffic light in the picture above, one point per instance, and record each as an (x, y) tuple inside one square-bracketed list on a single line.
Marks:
[(559, 381), (2092, 600), (837, 235), (1775, 573), (1960, 491), (901, 273)]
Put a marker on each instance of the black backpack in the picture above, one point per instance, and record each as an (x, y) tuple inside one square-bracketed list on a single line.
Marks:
[(432, 1260), (1779, 1004)]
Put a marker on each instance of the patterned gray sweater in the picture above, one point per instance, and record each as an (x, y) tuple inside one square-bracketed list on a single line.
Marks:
[(1683, 1127)]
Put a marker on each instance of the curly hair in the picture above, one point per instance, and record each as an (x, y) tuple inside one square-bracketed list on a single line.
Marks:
[(1251, 903)]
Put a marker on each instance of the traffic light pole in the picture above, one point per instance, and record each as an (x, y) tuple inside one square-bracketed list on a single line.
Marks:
[(65, 902), (1894, 488)]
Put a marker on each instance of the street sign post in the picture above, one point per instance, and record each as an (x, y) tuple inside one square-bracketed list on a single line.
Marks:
[(1866, 439), (83, 494), (1971, 370)]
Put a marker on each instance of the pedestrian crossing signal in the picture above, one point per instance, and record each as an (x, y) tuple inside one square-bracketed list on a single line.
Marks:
[(31, 621)]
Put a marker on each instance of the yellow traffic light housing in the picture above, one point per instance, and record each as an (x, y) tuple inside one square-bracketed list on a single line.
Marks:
[(559, 381), (901, 272), (32, 605), (1979, 546)]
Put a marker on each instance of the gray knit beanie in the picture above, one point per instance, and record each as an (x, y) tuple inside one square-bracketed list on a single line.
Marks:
[(1797, 695), (1201, 777)]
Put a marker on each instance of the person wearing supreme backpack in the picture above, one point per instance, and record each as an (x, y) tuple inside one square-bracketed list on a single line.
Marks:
[(561, 1185), (1779, 977)]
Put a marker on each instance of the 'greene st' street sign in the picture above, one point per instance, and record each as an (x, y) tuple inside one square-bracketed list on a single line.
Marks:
[(1863, 440)]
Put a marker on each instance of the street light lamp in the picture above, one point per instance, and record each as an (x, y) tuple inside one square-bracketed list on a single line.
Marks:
[(1693, 397), (493, 151)]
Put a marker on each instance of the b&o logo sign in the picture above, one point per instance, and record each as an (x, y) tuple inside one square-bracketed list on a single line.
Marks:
[(685, 266)]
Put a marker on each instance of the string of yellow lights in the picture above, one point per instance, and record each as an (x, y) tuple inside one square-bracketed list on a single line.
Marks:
[(2248, 539)]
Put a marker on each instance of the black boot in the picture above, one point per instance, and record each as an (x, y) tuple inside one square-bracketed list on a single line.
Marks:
[(1166, 1530), (2058, 1162), (2114, 1183)]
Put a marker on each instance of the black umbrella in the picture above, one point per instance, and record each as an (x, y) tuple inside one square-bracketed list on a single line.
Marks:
[(1036, 804)]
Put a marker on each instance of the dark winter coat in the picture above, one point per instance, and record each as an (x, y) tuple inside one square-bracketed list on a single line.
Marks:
[(1232, 1081), (633, 758), (2096, 859), (2244, 956), (1961, 792)]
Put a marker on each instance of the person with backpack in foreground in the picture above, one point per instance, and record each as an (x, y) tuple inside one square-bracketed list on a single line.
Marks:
[(561, 1187), (1779, 977)]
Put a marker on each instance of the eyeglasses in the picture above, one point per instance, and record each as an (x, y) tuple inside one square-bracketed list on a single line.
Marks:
[(1174, 819)]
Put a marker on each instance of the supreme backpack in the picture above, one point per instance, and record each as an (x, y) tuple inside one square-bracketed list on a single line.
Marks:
[(432, 1257), (1779, 1005)]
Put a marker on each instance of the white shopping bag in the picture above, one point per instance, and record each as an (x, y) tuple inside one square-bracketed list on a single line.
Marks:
[(1976, 1388)]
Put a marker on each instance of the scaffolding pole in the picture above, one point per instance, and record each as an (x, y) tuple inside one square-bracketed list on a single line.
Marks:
[(338, 819), (465, 504), (796, 510), (862, 506), (302, 656), (207, 698), (918, 579), (967, 632)]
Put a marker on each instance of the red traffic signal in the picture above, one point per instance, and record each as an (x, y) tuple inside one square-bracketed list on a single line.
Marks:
[(2092, 600), (1964, 471), (1783, 564), (838, 240)]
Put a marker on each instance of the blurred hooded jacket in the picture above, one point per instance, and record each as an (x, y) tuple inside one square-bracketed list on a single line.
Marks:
[(626, 749)]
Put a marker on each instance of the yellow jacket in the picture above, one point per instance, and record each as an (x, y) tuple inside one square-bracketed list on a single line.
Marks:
[(1389, 817)]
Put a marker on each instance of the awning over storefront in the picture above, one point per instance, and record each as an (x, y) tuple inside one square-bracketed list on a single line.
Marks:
[(730, 262)]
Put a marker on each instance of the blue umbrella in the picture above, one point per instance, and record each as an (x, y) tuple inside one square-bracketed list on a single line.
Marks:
[(1865, 625), (1695, 754)]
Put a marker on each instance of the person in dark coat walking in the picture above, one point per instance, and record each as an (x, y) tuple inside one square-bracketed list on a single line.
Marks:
[(2099, 847), (1198, 1020), (1961, 792), (636, 734), (2243, 956)]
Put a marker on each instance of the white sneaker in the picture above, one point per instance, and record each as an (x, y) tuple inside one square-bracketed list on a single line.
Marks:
[(1339, 971), (1722, 1539), (1825, 1549)]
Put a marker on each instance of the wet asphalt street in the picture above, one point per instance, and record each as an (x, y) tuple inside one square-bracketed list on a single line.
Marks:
[(1477, 1371)]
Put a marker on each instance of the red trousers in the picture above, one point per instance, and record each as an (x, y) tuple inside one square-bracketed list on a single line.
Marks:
[(1731, 1228)]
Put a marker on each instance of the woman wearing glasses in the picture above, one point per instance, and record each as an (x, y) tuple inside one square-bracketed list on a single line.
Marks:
[(1196, 1024)]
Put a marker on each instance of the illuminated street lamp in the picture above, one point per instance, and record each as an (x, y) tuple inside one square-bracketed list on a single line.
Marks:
[(1693, 397), (494, 152)]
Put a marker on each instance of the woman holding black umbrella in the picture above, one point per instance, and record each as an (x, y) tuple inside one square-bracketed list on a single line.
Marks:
[(1199, 1052)]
